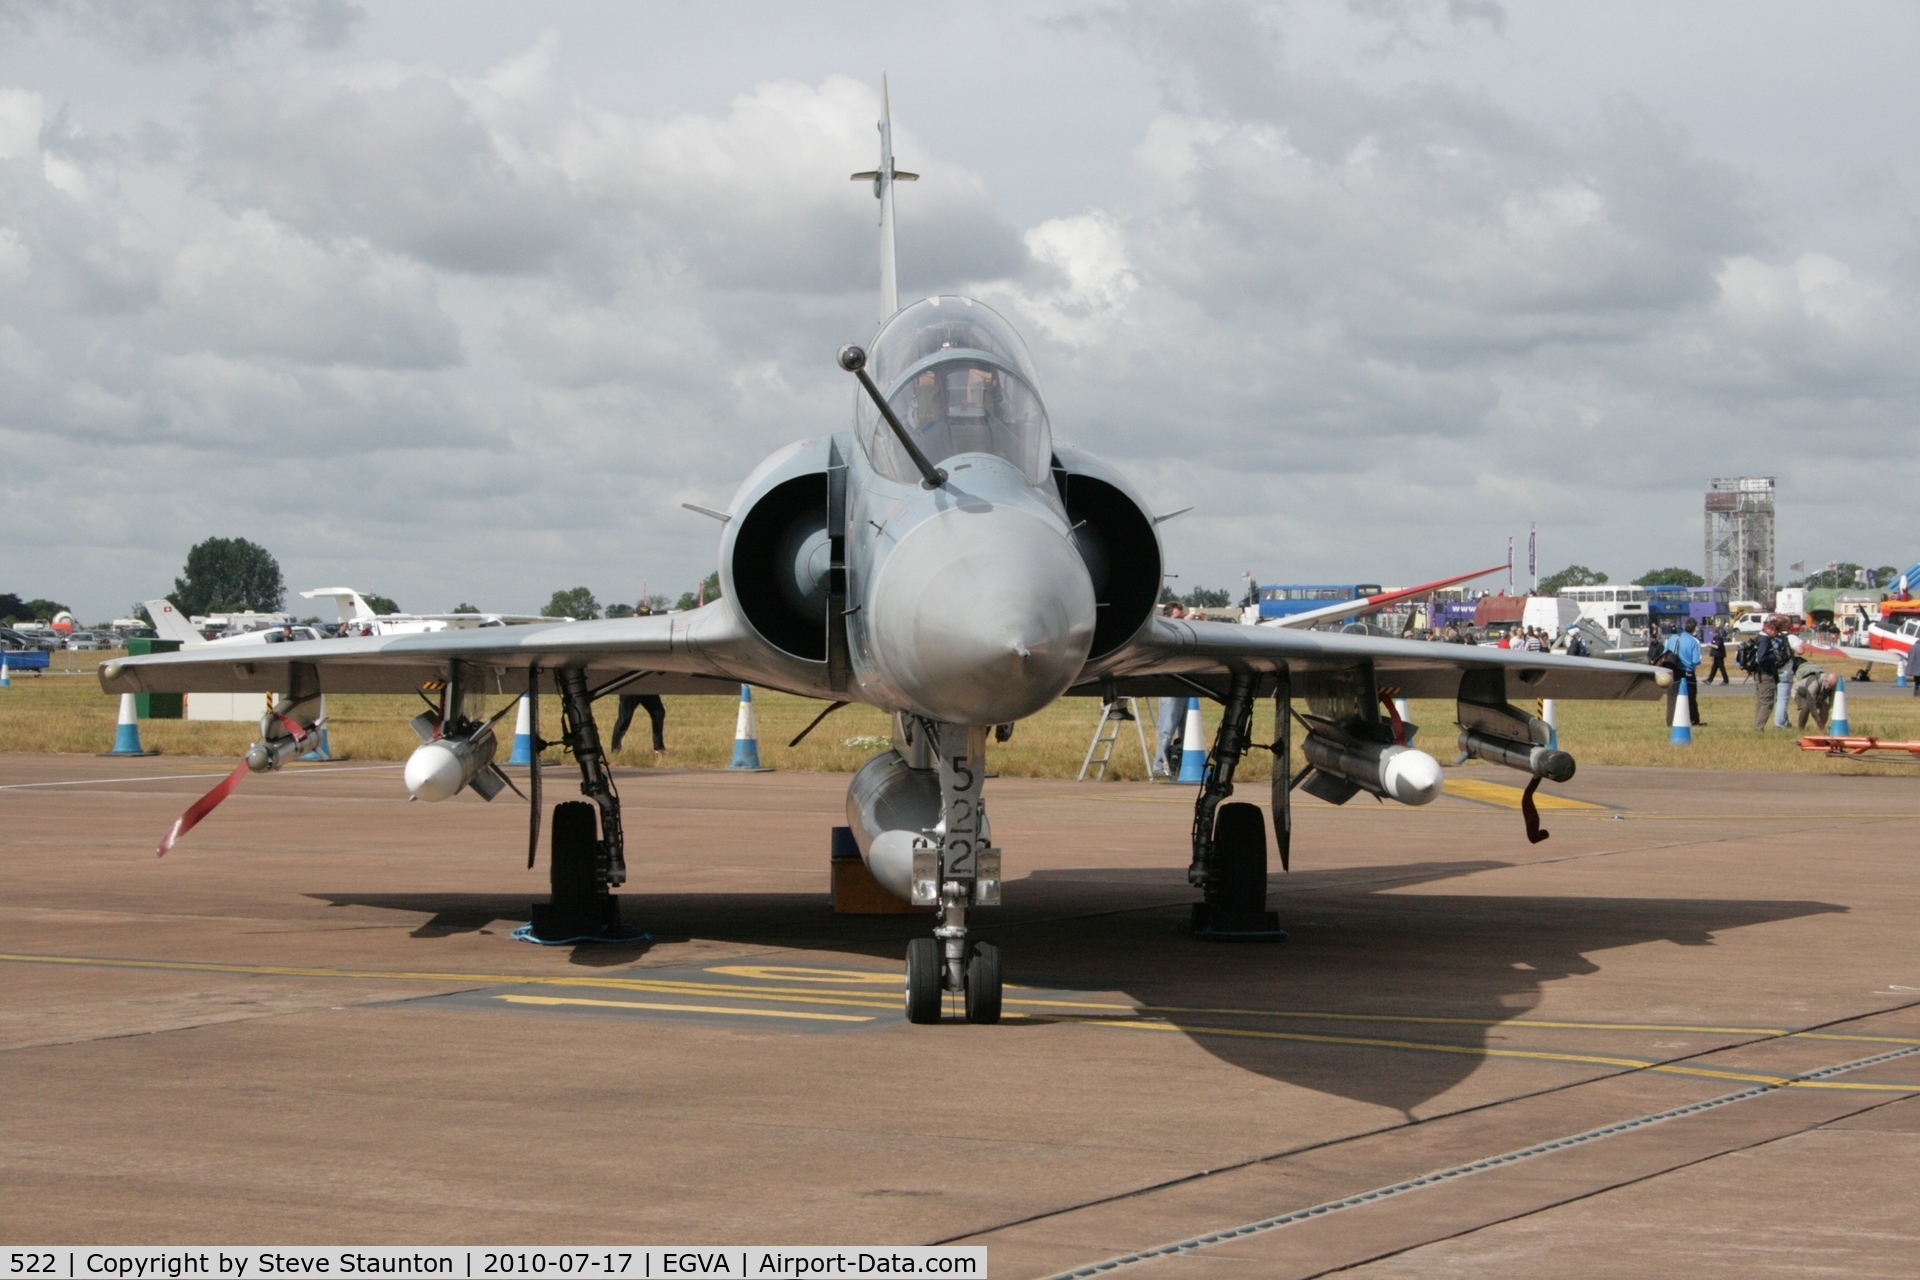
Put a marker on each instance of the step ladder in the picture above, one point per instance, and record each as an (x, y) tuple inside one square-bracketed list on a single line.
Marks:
[(1100, 751)]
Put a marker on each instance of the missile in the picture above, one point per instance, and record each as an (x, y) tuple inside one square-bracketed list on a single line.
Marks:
[(1400, 773), (265, 756), (1540, 761), (438, 770)]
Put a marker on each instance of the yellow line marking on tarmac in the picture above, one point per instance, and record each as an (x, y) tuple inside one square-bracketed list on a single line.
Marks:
[(659, 986), (793, 973), (1638, 1064), (1313, 1016), (1509, 797), (687, 1008), (859, 1000)]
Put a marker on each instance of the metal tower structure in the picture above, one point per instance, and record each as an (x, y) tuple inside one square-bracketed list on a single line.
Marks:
[(1740, 537)]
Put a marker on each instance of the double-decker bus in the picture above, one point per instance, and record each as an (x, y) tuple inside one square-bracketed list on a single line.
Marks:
[(1284, 600)]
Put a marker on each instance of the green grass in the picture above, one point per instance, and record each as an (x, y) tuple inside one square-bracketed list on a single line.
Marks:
[(69, 713)]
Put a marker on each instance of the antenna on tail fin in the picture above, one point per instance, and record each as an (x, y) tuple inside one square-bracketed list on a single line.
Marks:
[(883, 179)]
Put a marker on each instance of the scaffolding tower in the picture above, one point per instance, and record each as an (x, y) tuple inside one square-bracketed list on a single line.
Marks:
[(1740, 537)]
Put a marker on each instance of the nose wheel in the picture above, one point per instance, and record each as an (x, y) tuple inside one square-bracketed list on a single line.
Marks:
[(928, 982), (983, 983)]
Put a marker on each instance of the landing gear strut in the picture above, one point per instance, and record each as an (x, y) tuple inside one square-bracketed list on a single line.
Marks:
[(1229, 864), (585, 865), (956, 868)]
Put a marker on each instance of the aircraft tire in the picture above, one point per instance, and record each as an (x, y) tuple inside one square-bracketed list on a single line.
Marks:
[(1240, 862), (923, 980), (983, 983), (575, 851)]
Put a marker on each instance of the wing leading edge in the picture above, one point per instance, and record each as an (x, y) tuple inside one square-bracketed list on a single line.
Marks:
[(703, 651), (1170, 648)]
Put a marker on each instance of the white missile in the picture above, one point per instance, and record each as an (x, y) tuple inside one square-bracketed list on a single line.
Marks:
[(438, 770), (1406, 774)]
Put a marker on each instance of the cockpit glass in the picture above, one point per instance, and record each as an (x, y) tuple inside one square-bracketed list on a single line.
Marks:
[(960, 380)]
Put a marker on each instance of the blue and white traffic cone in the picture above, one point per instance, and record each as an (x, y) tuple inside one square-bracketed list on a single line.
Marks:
[(322, 750), (746, 738), (1551, 714), (522, 734), (6, 681), (1193, 748), (1839, 727), (1682, 734), (126, 738), (1900, 676)]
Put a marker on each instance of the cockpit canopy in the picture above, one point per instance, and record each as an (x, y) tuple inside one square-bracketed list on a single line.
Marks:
[(960, 379)]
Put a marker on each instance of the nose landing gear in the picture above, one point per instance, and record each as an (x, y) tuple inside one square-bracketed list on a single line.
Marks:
[(956, 869)]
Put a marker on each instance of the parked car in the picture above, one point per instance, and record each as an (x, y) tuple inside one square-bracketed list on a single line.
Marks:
[(45, 641), (92, 640)]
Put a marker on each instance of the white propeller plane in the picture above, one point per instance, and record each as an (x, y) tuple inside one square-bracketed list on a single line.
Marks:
[(950, 562)]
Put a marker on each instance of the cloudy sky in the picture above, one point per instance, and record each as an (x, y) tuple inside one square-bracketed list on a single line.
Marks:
[(459, 302)]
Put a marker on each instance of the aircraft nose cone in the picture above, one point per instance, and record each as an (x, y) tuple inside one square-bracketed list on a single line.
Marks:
[(983, 616)]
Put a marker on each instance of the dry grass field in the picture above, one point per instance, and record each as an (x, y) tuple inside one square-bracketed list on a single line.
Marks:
[(68, 713)]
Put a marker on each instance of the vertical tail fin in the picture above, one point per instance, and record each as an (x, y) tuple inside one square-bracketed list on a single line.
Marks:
[(345, 599), (168, 624), (883, 179)]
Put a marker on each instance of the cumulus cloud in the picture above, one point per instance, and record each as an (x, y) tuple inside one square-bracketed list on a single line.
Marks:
[(206, 28), (1370, 323)]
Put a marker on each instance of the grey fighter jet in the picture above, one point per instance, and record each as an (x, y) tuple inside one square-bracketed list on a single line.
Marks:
[(948, 561)]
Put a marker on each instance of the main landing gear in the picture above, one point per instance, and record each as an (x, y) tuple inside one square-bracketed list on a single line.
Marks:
[(1229, 864), (586, 863), (954, 869)]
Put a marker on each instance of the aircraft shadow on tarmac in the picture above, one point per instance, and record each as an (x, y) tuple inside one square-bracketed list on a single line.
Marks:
[(1359, 952)]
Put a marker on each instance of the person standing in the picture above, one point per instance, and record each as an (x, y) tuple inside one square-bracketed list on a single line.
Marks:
[(1789, 663), (1717, 649), (656, 712), (1913, 669), (1683, 646), (1171, 721), (1767, 661)]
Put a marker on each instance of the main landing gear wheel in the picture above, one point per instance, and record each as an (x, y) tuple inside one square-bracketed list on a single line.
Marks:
[(923, 980), (1237, 903), (983, 983)]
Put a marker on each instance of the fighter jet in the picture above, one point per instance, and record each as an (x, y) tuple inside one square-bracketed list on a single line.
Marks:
[(947, 560)]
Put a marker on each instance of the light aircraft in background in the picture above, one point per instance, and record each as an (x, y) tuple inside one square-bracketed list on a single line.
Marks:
[(357, 617), (168, 624), (950, 562)]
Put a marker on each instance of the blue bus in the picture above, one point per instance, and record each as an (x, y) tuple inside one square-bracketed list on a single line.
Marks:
[(1670, 606), (1284, 600)]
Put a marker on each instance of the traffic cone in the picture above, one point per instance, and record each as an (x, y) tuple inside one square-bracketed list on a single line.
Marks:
[(126, 738), (1193, 749), (1839, 727), (522, 735), (1551, 714), (1682, 734), (322, 751), (6, 681), (746, 739)]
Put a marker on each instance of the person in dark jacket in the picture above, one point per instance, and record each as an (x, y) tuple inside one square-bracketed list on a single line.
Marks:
[(1717, 650), (656, 712), (1772, 656)]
